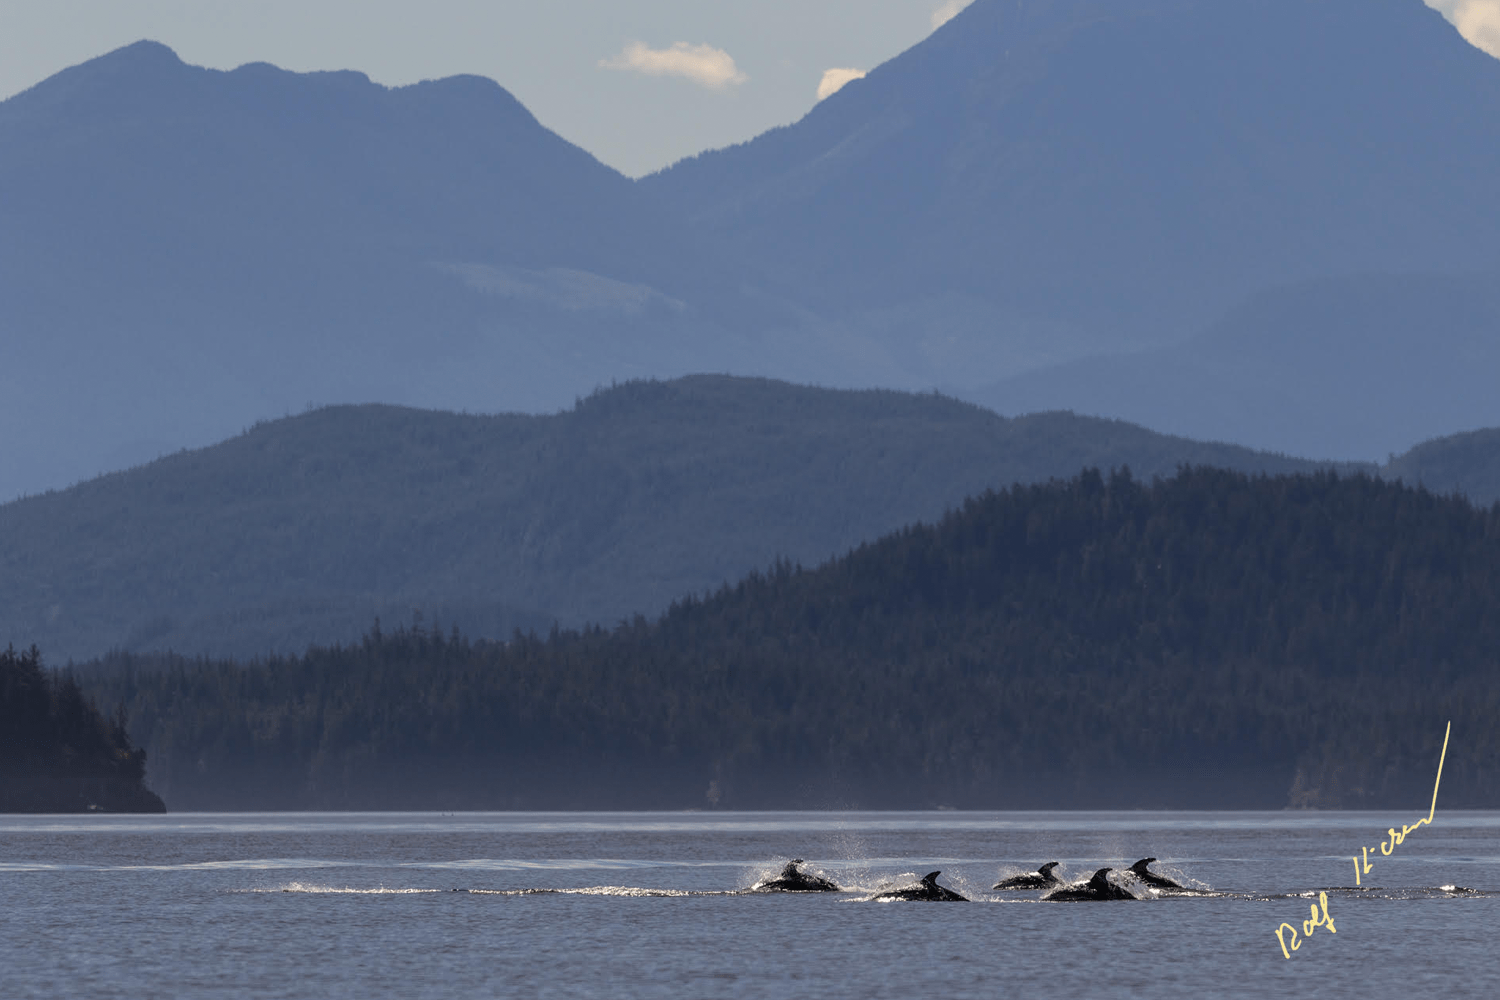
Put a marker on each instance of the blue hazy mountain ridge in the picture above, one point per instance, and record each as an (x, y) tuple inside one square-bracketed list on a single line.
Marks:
[(1467, 464), (184, 251), (305, 529), (1359, 367), (1091, 177)]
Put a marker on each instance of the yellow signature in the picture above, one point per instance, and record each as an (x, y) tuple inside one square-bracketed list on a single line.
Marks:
[(1396, 839), (1320, 917)]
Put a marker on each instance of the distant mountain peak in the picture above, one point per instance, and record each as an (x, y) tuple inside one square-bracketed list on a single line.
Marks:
[(143, 60), (1017, 20), (1091, 165), (151, 76), (145, 52)]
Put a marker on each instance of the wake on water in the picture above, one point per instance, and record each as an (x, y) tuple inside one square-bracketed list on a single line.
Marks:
[(597, 890), (861, 886)]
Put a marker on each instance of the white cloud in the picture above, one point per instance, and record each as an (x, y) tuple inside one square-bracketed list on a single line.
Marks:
[(834, 80), (947, 12), (702, 64), (1476, 20)]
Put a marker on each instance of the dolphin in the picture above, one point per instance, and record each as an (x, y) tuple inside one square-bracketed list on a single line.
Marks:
[(794, 879), (1042, 878), (1151, 878), (928, 890), (1098, 887)]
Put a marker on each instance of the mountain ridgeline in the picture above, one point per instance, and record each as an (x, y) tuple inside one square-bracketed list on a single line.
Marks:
[(1464, 464), (203, 249), (305, 529), (185, 251), (1348, 366), (1261, 192), (58, 754), (1213, 640)]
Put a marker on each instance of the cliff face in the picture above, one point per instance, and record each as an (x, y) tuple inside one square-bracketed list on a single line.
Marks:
[(58, 753)]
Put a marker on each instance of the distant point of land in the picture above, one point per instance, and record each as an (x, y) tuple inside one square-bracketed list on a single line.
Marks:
[(58, 753)]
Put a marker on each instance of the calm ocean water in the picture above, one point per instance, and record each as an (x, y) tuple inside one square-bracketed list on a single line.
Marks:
[(650, 905)]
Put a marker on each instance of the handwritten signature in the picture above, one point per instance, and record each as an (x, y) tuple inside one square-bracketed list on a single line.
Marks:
[(1320, 917), (1396, 839), (1308, 926)]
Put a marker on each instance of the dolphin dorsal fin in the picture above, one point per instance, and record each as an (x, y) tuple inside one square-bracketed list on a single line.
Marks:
[(931, 878)]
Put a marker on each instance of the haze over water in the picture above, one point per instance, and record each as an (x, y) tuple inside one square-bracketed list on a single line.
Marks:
[(591, 904)]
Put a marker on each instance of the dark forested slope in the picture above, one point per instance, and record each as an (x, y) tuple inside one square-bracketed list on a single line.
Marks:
[(1208, 641), (303, 530), (58, 754)]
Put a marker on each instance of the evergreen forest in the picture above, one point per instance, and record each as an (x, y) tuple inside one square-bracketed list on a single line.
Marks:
[(1212, 640), (304, 530), (58, 753)]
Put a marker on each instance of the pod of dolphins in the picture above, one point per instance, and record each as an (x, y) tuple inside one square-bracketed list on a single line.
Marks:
[(1099, 887)]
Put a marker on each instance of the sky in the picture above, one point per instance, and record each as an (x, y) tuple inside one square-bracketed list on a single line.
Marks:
[(638, 83)]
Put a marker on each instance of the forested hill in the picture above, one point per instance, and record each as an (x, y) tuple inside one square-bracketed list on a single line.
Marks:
[(1212, 640), (1468, 464), (304, 530), (58, 754)]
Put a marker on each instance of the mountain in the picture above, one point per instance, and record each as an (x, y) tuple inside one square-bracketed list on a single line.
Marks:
[(305, 529), (185, 251), (1050, 180), (1359, 367), (1210, 641), (1466, 464)]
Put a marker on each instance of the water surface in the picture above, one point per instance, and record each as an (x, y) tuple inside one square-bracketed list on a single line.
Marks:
[(653, 905)]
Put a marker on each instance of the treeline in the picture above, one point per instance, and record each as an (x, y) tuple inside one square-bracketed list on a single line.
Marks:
[(58, 753), (303, 530), (1211, 640)]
